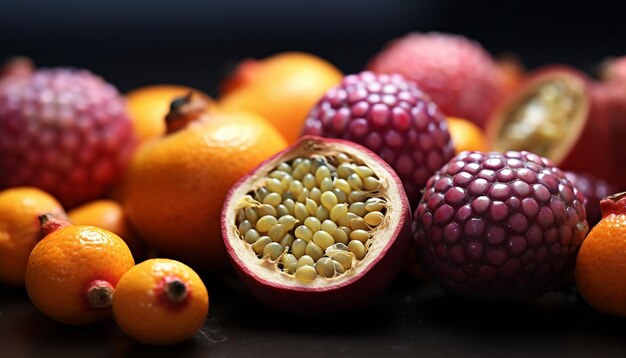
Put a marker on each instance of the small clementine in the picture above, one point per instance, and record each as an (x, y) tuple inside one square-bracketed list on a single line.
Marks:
[(160, 301), (601, 262), (72, 272), (467, 136), (20, 208)]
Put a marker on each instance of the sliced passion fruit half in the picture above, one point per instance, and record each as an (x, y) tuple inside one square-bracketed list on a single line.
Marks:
[(546, 116), (321, 227)]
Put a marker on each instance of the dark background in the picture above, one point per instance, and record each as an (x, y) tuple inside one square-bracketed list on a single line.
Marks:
[(132, 43)]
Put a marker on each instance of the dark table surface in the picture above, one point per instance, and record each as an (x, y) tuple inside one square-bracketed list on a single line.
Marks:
[(411, 319)]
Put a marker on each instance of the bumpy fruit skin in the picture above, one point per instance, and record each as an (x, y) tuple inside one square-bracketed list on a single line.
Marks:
[(459, 75), (390, 116), (65, 131), (499, 226), (593, 190)]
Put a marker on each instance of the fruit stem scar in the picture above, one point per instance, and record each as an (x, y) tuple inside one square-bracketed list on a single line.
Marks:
[(184, 110), (613, 204), (50, 223), (100, 294), (175, 290)]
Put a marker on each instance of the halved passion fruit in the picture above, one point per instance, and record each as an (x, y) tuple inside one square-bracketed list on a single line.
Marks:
[(321, 227)]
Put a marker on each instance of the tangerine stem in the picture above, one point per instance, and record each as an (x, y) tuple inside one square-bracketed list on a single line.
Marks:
[(176, 290), (100, 294), (614, 204), (50, 223), (184, 110)]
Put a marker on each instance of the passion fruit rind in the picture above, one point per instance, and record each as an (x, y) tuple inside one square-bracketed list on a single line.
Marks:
[(309, 240)]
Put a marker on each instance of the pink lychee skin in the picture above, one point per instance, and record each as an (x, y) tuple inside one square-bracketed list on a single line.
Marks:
[(63, 130), (594, 190), (390, 116), (349, 295), (614, 70), (499, 226), (458, 73)]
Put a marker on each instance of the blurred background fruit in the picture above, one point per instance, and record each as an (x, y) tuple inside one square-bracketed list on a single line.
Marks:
[(458, 73), (594, 190), (510, 73), (467, 136), (161, 302), (149, 105), (281, 88), (601, 263), (72, 272), (20, 209), (65, 131), (108, 215), (175, 186)]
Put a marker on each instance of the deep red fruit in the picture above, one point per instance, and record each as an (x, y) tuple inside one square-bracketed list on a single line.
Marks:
[(593, 190), (499, 226), (65, 131), (392, 117), (265, 220), (459, 75)]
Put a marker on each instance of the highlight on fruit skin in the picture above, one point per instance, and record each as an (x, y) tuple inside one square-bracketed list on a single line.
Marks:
[(64, 130), (499, 226), (601, 261), (160, 302), (72, 272), (321, 227)]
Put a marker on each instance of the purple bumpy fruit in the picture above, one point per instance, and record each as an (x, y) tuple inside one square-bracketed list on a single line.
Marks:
[(65, 131), (499, 226), (391, 116), (593, 190)]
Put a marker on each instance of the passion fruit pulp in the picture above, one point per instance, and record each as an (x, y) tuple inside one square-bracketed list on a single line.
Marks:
[(321, 227)]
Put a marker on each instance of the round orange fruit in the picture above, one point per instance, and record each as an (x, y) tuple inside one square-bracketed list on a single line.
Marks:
[(20, 209), (108, 215), (72, 272), (601, 263), (281, 88), (467, 136), (175, 186), (160, 302), (149, 105)]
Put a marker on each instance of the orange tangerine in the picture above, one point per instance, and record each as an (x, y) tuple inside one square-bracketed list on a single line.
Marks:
[(467, 136), (20, 209), (160, 301), (72, 272)]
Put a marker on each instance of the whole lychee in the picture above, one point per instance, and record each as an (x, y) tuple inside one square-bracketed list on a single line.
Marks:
[(392, 117), (63, 130), (594, 190), (458, 73), (499, 226)]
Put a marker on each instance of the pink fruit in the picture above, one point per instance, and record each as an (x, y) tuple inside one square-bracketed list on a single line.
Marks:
[(321, 227), (614, 70), (499, 226), (63, 130), (390, 116), (459, 75)]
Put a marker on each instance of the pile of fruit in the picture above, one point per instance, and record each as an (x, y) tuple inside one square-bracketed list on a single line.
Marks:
[(315, 187)]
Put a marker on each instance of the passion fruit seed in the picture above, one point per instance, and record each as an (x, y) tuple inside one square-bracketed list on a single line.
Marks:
[(313, 217)]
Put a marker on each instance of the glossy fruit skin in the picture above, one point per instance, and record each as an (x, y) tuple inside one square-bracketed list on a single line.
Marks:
[(175, 186), (20, 208), (458, 74), (499, 226), (149, 105), (593, 190), (390, 116), (362, 288), (144, 313), (66, 131), (63, 265), (601, 262), (281, 88)]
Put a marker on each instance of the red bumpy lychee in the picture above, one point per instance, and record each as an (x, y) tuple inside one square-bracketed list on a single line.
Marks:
[(594, 190), (499, 226), (458, 73), (392, 117), (63, 130)]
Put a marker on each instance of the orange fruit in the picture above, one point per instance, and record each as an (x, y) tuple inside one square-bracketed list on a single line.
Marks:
[(281, 88), (160, 301), (20, 208), (175, 186), (601, 263), (149, 105), (72, 272), (467, 136), (108, 215)]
